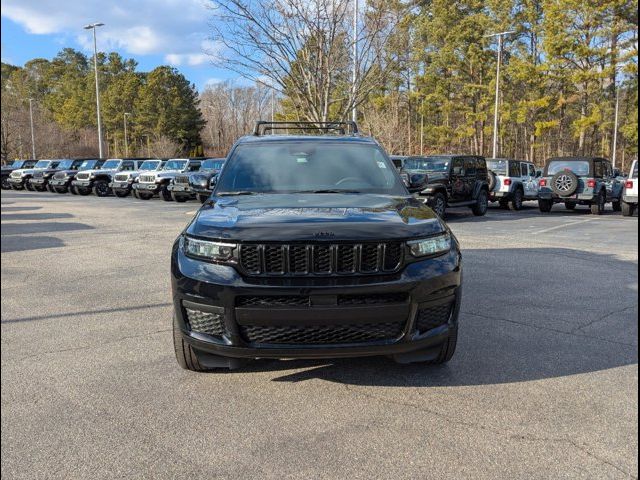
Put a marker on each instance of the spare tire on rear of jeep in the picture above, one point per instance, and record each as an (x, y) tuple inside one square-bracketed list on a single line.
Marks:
[(564, 183), (492, 180)]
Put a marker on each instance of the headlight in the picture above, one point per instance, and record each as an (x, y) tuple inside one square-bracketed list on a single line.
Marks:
[(430, 246), (212, 251)]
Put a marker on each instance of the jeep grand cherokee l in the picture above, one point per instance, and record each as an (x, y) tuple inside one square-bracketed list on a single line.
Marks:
[(312, 247)]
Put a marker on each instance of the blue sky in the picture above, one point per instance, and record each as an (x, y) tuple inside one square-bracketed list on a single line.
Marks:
[(154, 32)]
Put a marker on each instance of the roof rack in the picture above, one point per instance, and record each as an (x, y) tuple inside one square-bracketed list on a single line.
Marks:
[(337, 128)]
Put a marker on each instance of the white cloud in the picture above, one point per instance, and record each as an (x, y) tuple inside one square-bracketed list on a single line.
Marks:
[(175, 29)]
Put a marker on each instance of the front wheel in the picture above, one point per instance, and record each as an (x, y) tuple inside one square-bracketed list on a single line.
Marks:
[(597, 208), (84, 191), (439, 204), (627, 209), (545, 206), (39, 188), (5, 183), (73, 190), (481, 205), (28, 186), (60, 189), (166, 194), (101, 188), (448, 348)]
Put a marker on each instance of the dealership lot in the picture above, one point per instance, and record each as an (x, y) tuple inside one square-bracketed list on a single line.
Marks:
[(544, 382)]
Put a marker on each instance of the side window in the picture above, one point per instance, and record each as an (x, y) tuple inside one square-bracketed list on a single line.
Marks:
[(598, 169), (532, 170), (457, 167), (482, 166), (470, 166), (194, 166), (609, 169), (127, 166), (514, 169)]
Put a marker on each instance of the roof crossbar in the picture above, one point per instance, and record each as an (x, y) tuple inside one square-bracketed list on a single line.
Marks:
[(342, 128)]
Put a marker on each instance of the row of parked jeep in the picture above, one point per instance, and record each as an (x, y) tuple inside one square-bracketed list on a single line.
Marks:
[(176, 179), (442, 181), (454, 181)]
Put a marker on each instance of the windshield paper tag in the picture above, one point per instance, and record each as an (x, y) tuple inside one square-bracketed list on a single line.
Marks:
[(381, 165)]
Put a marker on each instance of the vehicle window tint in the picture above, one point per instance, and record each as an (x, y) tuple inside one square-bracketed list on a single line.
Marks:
[(470, 166), (514, 169), (598, 169), (128, 166), (532, 170), (458, 166), (194, 166), (481, 165)]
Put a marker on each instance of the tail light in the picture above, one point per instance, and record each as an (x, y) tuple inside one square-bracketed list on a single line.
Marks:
[(543, 182), (591, 183), (507, 182), (628, 184)]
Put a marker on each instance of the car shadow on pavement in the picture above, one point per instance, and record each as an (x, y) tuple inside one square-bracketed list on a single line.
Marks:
[(23, 243), (18, 209), (42, 227), (512, 331), (7, 217)]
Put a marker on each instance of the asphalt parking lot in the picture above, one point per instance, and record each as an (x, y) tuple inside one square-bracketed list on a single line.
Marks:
[(543, 385)]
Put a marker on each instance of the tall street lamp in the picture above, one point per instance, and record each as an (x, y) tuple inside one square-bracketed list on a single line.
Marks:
[(93, 26), (126, 139), (500, 36), (33, 137), (354, 73)]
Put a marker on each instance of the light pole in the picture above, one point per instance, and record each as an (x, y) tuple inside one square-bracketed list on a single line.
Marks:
[(354, 75), (615, 128), (33, 137), (500, 36), (93, 26), (126, 140)]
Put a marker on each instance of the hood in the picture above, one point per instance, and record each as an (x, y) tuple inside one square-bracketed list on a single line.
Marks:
[(314, 217), (435, 177), (28, 171), (167, 173)]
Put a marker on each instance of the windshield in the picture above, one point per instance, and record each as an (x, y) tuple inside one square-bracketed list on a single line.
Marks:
[(65, 165), (499, 167), (577, 167), (16, 164), (110, 165), (212, 164), (149, 164), (429, 164), (88, 165), (42, 164), (308, 167), (175, 165)]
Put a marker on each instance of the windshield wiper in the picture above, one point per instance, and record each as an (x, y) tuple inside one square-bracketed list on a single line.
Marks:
[(328, 190), (240, 192)]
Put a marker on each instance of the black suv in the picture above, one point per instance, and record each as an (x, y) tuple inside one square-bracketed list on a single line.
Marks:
[(98, 179), (40, 181), (579, 181), (202, 182), (15, 165), (62, 178), (310, 246), (453, 181)]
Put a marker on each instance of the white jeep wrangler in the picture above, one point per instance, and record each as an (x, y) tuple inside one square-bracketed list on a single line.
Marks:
[(511, 182), (630, 192)]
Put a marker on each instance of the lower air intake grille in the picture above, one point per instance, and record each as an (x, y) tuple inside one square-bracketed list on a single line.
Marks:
[(205, 322), (321, 334), (432, 317)]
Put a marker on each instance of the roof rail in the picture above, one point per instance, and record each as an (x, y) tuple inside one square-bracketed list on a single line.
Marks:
[(341, 128)]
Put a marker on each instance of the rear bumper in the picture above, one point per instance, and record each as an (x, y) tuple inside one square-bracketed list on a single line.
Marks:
[(500, 195), (432, 285), (576, 197)]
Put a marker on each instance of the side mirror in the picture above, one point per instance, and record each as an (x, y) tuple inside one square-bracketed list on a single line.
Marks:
[(418, 182), (213, 180)]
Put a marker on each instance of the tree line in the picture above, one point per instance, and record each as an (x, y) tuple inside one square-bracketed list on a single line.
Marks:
[(162, 108)]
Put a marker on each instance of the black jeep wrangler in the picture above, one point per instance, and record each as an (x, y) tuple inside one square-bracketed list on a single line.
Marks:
[(61, 180), (15, 165), (310, 246), (198, 184), (98, 180), (453, 181), (41, 180), (579, 181)]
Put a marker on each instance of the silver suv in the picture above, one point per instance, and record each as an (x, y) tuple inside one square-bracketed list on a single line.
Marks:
[(630, 193), (152, 183), (122, 184), (511, 182)]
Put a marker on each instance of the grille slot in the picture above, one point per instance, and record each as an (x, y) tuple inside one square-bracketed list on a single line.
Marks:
[(272, 301), (181, 179), (121, 177), (321, 259), (205, 322), (321, 334), (432, 317), (147, 178), (379, 299), (60, 175)]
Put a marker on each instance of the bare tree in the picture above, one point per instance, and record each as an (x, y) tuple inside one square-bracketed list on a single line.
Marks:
[(303, 49), (163, 147)]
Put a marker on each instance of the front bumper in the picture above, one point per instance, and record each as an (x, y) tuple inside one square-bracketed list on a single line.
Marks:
[(630, 198), (17, 181), (432, 285), (59, 182), (82, 183), (38, 181), (146, 187), (182, 189), (120, 185)]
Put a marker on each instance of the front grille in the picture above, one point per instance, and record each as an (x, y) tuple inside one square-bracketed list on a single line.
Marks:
[(205, 322), (147, 178), (60, 175), (16, 174), (121, 177), (275, 301), (321, 334), (181, 179), (83, 176), (432, 317), (38, 175), (321, 259)]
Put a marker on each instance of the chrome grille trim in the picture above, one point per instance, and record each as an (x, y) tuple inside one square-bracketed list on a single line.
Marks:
[(147, 179)]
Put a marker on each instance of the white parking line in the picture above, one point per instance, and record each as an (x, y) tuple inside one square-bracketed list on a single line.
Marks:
[(558, 227)]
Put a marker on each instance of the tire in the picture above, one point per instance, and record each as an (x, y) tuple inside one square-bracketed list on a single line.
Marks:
[(17, 186), (185, 356), (627, 209), (617, 205), (73, 190), (121, 193), (101, 188), (545, 206), (83, 191), (492, 180), (165, 194), (570, 205), (145, 196), (438, 204), (448, 348), (564, 183), (39, 189), (482, 204), (515, 203), (178, 198), (597, 208), (202, 198), (61, 189), (5, 183), (50, 188), (28, 186)]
